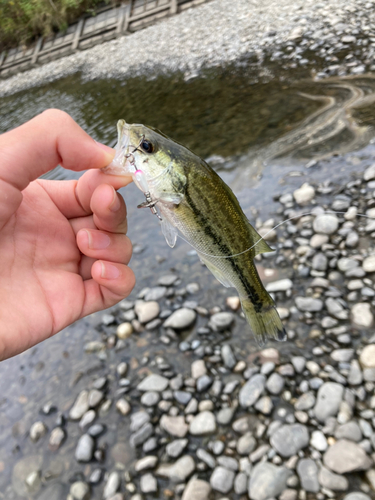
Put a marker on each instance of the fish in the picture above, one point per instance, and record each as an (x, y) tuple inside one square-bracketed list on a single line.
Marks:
[(190, 198)]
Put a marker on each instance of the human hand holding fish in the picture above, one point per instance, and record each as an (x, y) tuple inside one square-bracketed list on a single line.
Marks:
[(63, 244)]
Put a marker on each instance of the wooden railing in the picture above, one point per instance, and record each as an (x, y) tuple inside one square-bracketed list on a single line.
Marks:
[(89, 31)]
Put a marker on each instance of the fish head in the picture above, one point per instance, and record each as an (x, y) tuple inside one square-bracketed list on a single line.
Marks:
[(153, 160)]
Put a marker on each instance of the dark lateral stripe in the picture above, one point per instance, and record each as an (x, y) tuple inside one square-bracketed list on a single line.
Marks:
[(224, 249)]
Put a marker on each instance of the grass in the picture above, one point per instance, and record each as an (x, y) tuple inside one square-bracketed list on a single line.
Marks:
[(22, 21)]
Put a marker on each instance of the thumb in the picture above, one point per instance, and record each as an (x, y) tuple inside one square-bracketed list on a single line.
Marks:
[(38, 146)]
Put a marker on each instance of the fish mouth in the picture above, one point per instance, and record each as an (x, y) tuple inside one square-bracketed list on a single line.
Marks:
[(123, 162)]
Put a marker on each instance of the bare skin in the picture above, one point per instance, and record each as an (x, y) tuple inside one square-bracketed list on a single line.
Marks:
[(63, 244)]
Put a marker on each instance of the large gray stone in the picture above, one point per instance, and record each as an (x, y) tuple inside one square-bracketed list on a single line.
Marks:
[(326, 224), (222, 479), (85, 448), (328, 401), (267, 481), (175, 426), (153, 382), (146, 311), (203, 423), (346, 456), (179, 471), (251, 391), (80, 407), (332, 481), (308, 475), (357, 495), (290, 439), (308, 304), (180, 319), (197, 489)]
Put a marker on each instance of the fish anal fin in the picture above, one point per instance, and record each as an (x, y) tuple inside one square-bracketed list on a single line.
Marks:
[(169, 231), (219, 275), (259, 245)]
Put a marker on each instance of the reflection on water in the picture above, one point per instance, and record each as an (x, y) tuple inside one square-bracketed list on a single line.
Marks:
[(252, 126)]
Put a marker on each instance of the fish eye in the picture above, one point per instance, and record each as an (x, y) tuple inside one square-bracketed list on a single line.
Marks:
[(147, 146)]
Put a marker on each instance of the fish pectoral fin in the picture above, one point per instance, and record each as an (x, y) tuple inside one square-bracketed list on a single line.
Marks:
[(219, 275), (164, 197), (259, 245), (169, 231)]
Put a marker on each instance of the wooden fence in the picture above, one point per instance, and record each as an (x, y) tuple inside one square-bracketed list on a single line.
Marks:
[(89, 31)]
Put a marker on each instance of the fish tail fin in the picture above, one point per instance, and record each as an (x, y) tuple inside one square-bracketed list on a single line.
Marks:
[(266, 324)]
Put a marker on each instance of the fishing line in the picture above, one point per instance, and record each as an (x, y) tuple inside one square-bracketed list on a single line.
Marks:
[(268, 232)]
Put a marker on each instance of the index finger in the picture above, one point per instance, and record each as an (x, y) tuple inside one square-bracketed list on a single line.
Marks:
[(49, 139)]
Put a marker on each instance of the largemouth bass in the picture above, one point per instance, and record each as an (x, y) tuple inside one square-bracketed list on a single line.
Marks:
[(193, 199)]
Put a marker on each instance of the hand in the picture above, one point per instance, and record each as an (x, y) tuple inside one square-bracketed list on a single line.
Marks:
[(63, 249)]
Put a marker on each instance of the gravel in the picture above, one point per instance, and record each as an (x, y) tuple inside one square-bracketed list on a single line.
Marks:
[(225, 32)]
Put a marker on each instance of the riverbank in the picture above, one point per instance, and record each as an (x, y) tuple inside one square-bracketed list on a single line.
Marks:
[(323, 39)]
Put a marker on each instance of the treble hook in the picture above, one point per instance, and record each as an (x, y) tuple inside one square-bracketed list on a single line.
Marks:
[(142, 183)]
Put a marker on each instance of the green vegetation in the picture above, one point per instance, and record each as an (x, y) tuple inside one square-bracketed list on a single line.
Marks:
[(21, 21)]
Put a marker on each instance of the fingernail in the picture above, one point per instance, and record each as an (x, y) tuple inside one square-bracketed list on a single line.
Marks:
[(116, 204), (109, 271), (97, 240), (109, 152)]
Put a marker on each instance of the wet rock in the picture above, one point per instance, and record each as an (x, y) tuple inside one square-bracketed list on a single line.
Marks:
[(146, 311), (326, 224), (222, 480), (233, 303), (206, 457), (319, 262), (355, 375), (80, 406), (225, 415), (80, 490), (308, 474), (180, 319), (342, 355), (148, 462), (318, 441), (85, 448), (96, 476), (368, 265), (112, 485), (305, 402), (176, 447), (357, 496), (332, 481), (221, 321), (228, 357), (367, 357), (37, 430), (153, 382), (167, 280), (198, 368), (264, 405), (362, 315), (179, 471), (279, 286), (329, 398), (275, 384), (197, 489), (124, 330), (246, 444), (369, 173), (175, 426), (251, 391), (309, 304), (336, 309), (151, 398), (203, 383), (156, 293), (290, 439), (56, 438), (267, 481), (240, 483), (304, 194), (95, 397), (148, 484), (123, 407), (203, 423), (346, 456)]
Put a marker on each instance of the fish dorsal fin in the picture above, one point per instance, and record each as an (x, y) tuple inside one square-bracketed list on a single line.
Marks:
[(262, 246), (169, 231), (219, 275)]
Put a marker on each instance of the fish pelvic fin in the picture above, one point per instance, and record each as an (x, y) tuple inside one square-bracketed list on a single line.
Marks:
[(265, 324)]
